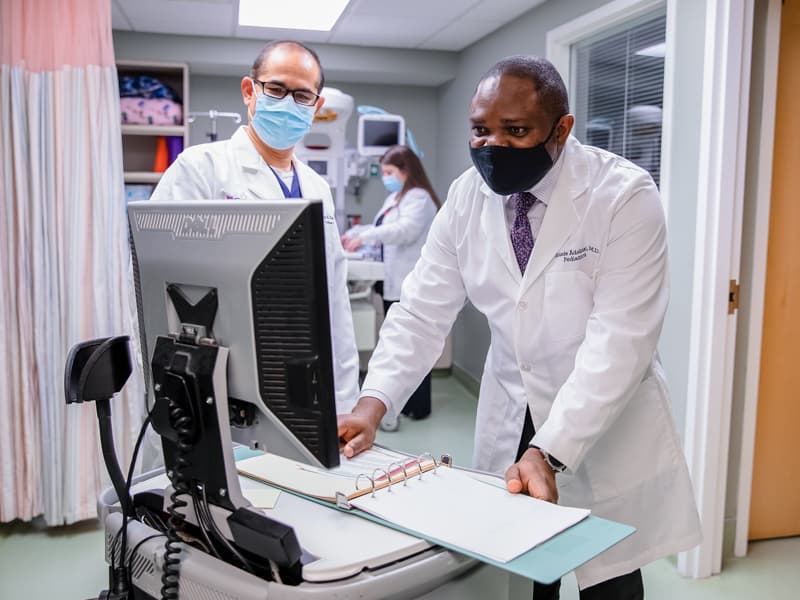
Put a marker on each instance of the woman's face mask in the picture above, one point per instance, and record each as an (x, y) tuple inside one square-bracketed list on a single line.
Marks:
[(508, 170), (392, 183), (281, 123)]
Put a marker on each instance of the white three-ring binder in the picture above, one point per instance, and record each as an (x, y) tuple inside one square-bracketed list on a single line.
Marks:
[(422, 496)]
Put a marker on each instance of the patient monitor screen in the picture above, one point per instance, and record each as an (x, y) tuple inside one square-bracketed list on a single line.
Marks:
[(320, 166), (381, 133)]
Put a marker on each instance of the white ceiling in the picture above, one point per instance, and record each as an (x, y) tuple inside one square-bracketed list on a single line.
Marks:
[(421, 24)]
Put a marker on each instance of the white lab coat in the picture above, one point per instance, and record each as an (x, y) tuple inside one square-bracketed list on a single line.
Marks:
[(402, 232), (233, 169), (574, 339)]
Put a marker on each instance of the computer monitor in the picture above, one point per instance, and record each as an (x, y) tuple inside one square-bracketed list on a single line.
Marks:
[(262, 266), (378, 132)]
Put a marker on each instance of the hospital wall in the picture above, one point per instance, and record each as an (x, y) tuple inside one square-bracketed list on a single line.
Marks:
[(218, 93)]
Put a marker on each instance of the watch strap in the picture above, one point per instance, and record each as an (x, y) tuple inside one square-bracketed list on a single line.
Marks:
[(552, 462)]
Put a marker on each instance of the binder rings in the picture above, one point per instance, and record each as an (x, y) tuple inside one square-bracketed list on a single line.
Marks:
[(372, 470), (421, 496)]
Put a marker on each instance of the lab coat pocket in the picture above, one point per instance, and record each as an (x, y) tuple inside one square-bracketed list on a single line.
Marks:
[(567, 304), (635, 449)]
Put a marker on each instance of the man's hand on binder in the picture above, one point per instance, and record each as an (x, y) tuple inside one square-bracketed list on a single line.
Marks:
[(533, 476), (357, 429)]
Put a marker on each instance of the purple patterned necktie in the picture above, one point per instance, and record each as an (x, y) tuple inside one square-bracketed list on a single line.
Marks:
[(521, 235)]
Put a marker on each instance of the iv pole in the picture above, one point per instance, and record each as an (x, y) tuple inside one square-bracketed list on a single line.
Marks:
[(213, 115)]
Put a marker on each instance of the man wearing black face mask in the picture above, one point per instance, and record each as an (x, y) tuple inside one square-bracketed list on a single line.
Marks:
[(563, 247)]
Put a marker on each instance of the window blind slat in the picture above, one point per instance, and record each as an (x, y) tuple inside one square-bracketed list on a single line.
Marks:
[(619, 90)]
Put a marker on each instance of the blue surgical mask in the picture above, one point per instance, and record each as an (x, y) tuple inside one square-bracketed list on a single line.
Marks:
[(392, 183), (281, 123)]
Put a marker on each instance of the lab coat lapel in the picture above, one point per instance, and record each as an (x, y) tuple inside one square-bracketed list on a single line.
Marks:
[(255, 187), (257, 179), (493, 221), (561, 217)]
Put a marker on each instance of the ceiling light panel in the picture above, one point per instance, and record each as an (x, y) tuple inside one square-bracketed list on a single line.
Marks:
[(309, 15)]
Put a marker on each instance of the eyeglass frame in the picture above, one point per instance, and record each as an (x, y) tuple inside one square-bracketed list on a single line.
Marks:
[(287, 92)]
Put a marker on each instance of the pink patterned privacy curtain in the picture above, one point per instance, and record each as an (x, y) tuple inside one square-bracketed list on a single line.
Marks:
[(64, 262)]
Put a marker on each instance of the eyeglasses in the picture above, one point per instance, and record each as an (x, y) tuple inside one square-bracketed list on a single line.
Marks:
[(276, 90)]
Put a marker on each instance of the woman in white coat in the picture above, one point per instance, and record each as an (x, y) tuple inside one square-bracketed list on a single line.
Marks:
[(401, 227), (575, 306)]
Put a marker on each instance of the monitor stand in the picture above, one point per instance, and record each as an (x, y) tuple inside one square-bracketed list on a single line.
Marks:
[(191, 416)]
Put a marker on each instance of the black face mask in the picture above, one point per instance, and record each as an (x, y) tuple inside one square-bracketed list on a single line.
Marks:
[(508, 170)]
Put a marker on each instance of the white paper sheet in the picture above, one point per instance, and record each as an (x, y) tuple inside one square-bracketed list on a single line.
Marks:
[(452, 507), (261, 497)]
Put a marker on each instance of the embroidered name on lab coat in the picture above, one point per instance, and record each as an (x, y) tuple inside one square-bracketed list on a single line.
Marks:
[(576, 254)]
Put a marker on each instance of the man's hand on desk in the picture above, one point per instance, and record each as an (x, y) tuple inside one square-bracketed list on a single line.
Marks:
[(533, 476), (357, 429)]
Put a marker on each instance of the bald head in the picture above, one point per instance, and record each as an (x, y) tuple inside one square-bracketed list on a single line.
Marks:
[(550, 89), (292, 47)]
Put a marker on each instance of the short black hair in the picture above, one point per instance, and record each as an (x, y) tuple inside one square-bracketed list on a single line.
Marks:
[(267, 50), (544, 76)]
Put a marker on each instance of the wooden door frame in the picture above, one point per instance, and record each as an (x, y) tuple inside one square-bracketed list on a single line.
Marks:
[(756, 293), (720, 198)]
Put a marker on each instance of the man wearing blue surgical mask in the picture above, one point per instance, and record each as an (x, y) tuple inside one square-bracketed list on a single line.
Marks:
[(563, 248), (282, 95)]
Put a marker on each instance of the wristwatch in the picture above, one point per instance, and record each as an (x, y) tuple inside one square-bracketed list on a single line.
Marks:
[(552, 462)]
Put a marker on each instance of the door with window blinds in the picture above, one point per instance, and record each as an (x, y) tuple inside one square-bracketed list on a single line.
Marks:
[(618, 90)]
